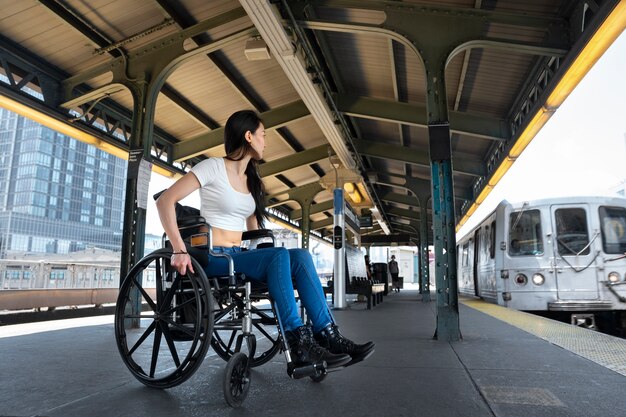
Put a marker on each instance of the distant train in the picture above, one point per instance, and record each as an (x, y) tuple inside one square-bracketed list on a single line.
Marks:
[(561, 255)]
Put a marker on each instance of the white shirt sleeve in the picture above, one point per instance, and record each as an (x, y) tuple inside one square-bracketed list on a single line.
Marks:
[(206, 171)]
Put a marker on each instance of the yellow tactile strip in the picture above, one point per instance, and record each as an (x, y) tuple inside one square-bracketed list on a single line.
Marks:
[(608, 351)]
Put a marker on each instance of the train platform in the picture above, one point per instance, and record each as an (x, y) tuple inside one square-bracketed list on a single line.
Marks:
[(507, 364)]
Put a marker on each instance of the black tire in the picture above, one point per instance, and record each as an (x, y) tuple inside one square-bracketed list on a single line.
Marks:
[(318, 378), (228, 327), (236, 380), (164, 336)]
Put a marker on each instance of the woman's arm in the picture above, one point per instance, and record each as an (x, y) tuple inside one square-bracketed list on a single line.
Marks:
[(166, 206)]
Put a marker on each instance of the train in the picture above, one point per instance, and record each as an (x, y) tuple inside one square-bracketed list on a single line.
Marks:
[(558, 257)]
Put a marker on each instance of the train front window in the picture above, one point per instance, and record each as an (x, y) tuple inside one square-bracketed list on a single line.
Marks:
[(525, 233), (571, 231), (613, 221)]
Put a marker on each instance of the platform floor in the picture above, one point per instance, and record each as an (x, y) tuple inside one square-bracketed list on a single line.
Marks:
[(497, 369)]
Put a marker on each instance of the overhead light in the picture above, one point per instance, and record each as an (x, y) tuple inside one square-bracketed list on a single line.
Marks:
[(271, 27), (353, 192), (256, 49)]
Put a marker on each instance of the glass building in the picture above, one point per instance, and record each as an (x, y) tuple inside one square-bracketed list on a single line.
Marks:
[(57, 194)]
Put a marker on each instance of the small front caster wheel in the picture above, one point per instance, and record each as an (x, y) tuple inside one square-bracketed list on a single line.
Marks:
[(318, 378), (236, 380)]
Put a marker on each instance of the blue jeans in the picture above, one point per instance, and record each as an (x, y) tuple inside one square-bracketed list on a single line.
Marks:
[(276, 266)]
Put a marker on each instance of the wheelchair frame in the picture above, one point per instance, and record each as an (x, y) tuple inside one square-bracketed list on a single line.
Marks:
[(164, 334)]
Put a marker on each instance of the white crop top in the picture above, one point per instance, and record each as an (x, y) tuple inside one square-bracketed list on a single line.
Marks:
[(220, 204)]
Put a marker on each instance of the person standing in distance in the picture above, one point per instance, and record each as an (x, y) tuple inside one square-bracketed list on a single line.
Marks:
[(394, 271)]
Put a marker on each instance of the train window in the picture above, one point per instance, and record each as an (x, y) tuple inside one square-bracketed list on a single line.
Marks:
[(525, 233), (465, 258), (492, 241), (613, 221), (571, 231)]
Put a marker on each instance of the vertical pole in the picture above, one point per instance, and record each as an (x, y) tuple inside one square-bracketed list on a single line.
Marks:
[(444, 235), (134, 204), (306, 222), (423, 250), (339, 242), (442, 199)]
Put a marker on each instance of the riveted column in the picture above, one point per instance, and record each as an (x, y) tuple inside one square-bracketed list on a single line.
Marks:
[(304, 195), (305, 223), (442, 201), (423, 250)]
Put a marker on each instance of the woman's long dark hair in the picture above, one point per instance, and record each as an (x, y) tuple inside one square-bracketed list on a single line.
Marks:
[(237, 147)]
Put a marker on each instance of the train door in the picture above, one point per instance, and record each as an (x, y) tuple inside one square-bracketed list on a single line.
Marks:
[(476, 260), (574, 252)]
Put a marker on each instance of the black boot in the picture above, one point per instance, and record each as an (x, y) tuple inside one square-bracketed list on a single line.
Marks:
[(336, 343), (305, 350)]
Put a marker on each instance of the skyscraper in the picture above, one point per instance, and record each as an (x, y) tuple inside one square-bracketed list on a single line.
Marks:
[(57, 194)]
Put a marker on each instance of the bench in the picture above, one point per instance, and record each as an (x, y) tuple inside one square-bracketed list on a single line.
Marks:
[(357, 281)]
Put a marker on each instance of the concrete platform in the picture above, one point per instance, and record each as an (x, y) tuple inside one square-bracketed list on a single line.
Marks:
[(495, 370)]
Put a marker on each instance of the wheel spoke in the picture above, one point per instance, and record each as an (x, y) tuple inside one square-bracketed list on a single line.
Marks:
[(181, 327), (143, 337), (179, 306), (155, 350), (262, 330), (170, 342), (146, 296)]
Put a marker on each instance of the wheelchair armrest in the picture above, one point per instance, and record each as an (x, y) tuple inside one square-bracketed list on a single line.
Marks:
[(190, 221), (257, 234)]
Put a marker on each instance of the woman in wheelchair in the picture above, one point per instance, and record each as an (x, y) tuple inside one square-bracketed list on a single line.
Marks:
[(231, 198)]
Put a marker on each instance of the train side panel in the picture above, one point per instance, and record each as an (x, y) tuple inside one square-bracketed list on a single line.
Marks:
[(561, 254)]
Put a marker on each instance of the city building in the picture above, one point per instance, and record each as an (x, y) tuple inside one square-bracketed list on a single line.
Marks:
[(57, 194)]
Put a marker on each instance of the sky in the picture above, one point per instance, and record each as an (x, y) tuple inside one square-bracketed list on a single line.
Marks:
[(580, 151)]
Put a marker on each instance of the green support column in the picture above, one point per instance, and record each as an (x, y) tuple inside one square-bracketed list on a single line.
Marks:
[(423, 250), (304, 195), (134, 215), (444, 233), (140, 143), (305, 223)]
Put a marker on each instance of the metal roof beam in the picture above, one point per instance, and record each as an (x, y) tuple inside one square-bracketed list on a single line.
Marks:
[(294, 193), (407, 214), (320, 224), (170, 44), (315, 208), (417, 185), (416, 115), (462, 165), (408, 200), (467, 13), (293, 161), (272, 119)]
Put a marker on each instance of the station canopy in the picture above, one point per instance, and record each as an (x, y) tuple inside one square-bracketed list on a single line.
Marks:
[(342, 87)]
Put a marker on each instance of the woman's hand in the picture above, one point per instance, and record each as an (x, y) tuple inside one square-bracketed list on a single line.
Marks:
[(181, 261)]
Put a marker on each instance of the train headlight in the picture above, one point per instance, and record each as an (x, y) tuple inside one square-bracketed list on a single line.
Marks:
[(538, 279), (613, 276), (521, 279)]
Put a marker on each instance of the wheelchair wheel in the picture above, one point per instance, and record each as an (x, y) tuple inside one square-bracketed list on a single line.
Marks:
[(318, 378), (228, 315), (236, 380), (163, 321)]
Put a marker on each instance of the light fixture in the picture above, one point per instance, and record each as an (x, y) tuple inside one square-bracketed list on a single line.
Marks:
[(353, 192), (256, 49), (272, 29)]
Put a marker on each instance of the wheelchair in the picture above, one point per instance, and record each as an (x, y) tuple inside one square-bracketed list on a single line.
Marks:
[(165, 322)]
